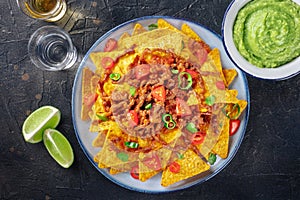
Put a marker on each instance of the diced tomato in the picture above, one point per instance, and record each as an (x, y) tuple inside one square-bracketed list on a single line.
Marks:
[(108, 63), (159, 93), (134, 172), (153, 162), (133, 117), (90, 99), (234, 126), (110, 45), (198, 138), (220, 85), (170, 60), (192, 73), (142, 70), (174, 167), (182, 108)]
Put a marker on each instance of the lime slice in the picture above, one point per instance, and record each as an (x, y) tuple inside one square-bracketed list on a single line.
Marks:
[(59, 147), (38, 121)]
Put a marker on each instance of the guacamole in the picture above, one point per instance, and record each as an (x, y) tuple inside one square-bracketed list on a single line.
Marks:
[(267, 32)]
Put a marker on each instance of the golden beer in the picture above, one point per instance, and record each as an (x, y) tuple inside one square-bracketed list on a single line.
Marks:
[(48, 10)]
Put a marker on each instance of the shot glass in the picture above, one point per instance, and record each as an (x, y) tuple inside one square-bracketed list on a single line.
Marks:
[(47, 10), (51, 48)]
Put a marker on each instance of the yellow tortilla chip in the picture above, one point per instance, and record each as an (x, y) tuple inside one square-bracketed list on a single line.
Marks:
[(120, 41), (98, 57), (86, 88), (233, 111), (165, 39), (186, 29), (144, 39), (112, 126), (94, 82), (229, 75), (158, 158), (190, 165), (138, 28), (123, 36), (230, 97), (113, 171), (144, 176), (243, 105), (171, 135), (145, 173), (99, 140), (222, 145), (111, 156), (161, 23), (215, 56)]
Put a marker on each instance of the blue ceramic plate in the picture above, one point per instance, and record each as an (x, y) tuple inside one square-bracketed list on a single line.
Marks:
[(85, 138)]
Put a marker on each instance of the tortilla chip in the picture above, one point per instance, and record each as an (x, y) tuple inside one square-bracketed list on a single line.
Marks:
[(164, 24), (144, 39), (230, 97), (222, 145), (87, 75), (113, 171), (171, 135), (123, 36), (110, 154), (99, 140), (163, 40), (138, 28), (215, 56), (144, 176), (190, 165), (158, 158), (243, 104), (233, 111), (120, 41), (145, 172), (229, 75), (97, 58), (186, 29)]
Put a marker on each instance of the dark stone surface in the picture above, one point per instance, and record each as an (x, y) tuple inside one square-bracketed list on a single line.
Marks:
[(267, 165)]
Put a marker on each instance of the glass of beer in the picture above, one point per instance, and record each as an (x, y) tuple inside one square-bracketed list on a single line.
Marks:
[(47, 10)]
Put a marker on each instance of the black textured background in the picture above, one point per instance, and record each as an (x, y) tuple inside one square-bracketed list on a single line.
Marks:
[(267, 165)]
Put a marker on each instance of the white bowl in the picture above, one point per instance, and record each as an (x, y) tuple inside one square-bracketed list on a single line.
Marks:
[(280, 73)]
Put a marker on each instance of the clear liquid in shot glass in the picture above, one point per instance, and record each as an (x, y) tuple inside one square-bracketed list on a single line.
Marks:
[(54, 51), (50, 48)]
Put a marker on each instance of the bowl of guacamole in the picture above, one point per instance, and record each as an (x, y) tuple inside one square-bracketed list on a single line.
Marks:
[(262, 37)]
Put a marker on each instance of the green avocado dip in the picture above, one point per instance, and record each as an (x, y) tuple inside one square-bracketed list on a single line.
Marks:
[(267, 32)]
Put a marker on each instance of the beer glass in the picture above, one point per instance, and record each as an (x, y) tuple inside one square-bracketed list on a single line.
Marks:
[(47, 10)]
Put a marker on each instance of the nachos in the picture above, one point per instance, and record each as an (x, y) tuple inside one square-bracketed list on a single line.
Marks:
[(160, 102)]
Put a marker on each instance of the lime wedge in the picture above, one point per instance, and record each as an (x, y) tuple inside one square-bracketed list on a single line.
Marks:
[(38, 121), (59, 147)]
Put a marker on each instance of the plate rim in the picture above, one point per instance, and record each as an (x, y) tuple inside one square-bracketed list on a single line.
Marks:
[(105, 174)]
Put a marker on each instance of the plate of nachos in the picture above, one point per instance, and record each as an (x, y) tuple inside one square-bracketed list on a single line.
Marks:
[(158, 106)]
